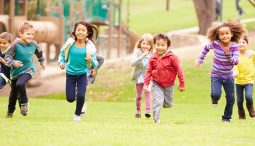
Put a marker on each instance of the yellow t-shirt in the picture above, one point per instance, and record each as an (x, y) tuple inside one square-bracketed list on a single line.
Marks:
[(245, 69)]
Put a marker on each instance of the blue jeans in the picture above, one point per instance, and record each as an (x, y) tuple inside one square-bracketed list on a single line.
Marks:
[(228, 85), (76, 86), (240, 89), (18, 90)]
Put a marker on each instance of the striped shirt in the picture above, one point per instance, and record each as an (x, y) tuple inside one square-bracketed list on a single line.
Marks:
[(222, 65)]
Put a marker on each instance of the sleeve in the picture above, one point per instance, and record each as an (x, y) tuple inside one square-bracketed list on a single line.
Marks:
[(91, 48), (39, 53), (9, 55), (177, 66), (69, 42), (100, 60), (148, 73), (235, 55), (205, 50), (136, 58), (61, 57), (94, 60), (235, 70)]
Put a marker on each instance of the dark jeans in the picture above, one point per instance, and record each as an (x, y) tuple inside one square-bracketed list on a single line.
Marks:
[(76, 86), (2, 82), (228, 85), (240, 90), (18, 89)]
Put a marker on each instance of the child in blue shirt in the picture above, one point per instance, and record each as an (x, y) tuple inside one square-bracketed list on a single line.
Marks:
[(5, 41), (76, 56), (19, 57)]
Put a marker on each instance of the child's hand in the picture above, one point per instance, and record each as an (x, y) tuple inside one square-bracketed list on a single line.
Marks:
[(89, 58), (18, 63), (43, 66), (235, 74), (145, 87), (62, 66), (93, 72), (181, 89), (2, 60), (197, 64)]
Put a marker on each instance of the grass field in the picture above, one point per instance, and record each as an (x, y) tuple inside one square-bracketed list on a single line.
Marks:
[(191, 121), (151, 16)]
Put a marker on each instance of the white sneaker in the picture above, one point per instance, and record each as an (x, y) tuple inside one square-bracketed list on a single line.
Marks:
[(76, 118)]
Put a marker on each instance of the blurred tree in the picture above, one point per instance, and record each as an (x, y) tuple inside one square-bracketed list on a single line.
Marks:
[(205, 11), (167, 5), (252, 2)]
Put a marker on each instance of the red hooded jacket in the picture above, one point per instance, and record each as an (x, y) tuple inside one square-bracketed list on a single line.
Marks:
[(164, 70)]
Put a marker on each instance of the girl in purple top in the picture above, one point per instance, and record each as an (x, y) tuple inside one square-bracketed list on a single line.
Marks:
[(224, 42)]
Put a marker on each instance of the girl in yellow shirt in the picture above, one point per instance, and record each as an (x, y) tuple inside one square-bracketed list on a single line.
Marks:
[(244, 73)]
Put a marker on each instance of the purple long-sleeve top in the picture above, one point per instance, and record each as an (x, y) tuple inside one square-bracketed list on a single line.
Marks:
[(222, 65)]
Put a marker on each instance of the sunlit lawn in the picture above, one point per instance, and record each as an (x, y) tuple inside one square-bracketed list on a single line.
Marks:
[(191, 121)]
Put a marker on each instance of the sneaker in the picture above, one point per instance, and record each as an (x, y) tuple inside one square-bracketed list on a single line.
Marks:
[(9, 115), (157, 121), (147, 115), (225, 120), (138, 115), (24, 109), (76, 118), (214, 103)]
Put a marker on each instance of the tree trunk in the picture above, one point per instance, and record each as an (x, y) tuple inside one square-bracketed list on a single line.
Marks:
[(205, 10)]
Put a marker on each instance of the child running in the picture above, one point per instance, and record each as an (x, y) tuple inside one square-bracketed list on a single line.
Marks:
[(163, 68), (142, 53), (5, 41), (223, 40), (20, 58), (75, 58), (244, 74)]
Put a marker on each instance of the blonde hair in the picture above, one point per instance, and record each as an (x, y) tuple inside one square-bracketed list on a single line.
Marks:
[(25, 26), (148, 37), (236, 28), (7, 36)]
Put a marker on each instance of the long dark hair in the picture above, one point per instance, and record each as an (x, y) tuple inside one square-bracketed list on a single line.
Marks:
[(92, 30)]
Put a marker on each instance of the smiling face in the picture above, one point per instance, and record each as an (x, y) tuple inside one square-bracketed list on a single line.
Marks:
[(161, 46), (4, 44), (27, 36), (225, 35), (243, 44), (81, 32), (145, 45)]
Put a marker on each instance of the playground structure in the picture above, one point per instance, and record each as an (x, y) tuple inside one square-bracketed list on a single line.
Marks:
[(54, 20)]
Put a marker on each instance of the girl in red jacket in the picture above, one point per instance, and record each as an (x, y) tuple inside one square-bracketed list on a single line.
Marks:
[(163, 68)]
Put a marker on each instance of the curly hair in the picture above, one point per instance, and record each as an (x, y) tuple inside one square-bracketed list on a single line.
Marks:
[(92, 30), (236, 28)]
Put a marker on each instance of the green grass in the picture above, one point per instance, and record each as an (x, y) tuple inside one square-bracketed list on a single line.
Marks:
[(151, 16), (191, 121), (112, 123)]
